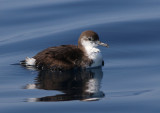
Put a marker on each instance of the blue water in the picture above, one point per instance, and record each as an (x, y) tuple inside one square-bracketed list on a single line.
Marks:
[(129, 81)]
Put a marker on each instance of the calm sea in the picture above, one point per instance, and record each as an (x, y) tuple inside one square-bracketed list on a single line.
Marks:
[(129, 82)]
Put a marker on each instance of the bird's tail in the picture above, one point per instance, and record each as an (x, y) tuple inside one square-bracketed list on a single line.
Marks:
[(23, 62)]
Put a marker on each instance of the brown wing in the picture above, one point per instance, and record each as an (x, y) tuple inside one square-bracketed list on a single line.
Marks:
[(59, 58)]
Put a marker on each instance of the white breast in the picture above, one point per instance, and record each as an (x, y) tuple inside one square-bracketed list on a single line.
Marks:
[(93, 53), (97, 59)]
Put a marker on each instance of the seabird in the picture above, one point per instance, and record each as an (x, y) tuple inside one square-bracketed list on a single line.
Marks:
[(66, 57)]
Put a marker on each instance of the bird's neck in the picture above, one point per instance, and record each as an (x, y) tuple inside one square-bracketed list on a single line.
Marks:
[(90, 50)]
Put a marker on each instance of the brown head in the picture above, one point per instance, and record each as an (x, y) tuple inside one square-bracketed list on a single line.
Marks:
[(90, 38)]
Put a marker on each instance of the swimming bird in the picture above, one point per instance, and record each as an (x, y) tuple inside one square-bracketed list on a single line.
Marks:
[(65, 57)]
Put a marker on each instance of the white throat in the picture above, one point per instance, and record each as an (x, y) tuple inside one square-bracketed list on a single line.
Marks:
[(93, 53)]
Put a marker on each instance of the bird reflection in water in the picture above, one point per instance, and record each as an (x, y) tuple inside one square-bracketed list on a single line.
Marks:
[(81, 85)]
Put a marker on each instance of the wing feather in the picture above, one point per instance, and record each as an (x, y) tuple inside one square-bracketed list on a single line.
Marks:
[(61, 57)]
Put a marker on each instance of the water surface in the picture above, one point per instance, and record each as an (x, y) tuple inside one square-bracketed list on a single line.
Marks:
[(129, 80)]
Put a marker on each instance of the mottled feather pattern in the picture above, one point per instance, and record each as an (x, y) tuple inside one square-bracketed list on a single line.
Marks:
[(56, 58)]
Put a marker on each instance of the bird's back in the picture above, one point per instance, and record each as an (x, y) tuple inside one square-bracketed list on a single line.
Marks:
[(63, 57)]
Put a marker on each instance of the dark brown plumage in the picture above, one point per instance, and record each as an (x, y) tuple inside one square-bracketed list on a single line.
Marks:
[(62, 57)]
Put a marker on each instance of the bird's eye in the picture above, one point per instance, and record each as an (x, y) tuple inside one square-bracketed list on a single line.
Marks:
[(89, 39)]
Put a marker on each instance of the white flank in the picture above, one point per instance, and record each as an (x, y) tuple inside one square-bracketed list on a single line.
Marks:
[(30, 86), (32, 100), (93, 52), (30, 61)]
